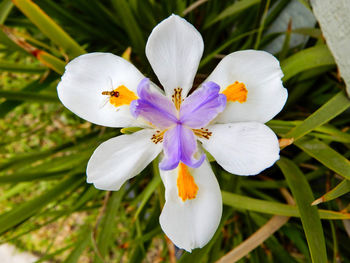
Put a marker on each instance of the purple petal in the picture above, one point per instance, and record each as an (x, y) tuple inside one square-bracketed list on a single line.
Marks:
[(153, 106), (180, 145), (202, 106)]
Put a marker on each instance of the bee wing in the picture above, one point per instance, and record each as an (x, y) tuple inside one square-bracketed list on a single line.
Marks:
[(104, 102), (110, 83)]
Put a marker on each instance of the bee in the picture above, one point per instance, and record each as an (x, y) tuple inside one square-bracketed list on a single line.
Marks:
[(111, 93)]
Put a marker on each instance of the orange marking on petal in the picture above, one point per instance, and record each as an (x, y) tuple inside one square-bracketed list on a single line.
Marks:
[(236, 92), (186, 186), (120, 96)]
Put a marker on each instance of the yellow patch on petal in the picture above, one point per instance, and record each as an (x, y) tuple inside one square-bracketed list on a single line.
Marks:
[(236, 92), (186, 186), (120, 96)]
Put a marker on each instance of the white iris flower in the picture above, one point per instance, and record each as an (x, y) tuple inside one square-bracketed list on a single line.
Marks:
[(225, 116)]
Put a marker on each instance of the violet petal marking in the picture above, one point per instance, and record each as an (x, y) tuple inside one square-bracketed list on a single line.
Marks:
[(180, 145), (202, 106), (153, 106)]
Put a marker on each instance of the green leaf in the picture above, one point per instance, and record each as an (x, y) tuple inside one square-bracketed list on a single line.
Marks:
[(51, 62), (25, 177), (124, 13), (37, 85), (335, 106), (8, 43), (52, 255), (49, 27), (80, 246), (5, 8), (327, 131), (14, 191), (28, 96), (228, 43), (341, 189), (232, 10), (15, 67), (105, 237), (325, 155), (309, 215), (149, 190), (268, 207), (25, 210), (309, 58)]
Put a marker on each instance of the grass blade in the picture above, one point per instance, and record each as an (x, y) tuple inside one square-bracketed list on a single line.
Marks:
[(232, 10), (106, 237), (341, 189), (309, 215), (27, 177), (149, 190), (51, 61), (124, 13), (275, 223), (27, 209), (325, 155), (79, 248), (274, 208), (5, 8), (335, 106), (309, 58), (15, 67), (49, 27), (28, 96)]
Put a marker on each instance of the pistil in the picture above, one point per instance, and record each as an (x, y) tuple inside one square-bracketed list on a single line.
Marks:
[(176, 98)]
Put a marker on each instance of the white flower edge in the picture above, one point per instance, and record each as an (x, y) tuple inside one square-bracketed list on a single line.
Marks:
[(121, 158), (174, 49), (245, 148)]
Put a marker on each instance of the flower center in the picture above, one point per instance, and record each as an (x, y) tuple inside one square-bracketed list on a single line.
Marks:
[(120, 96), (236, 92), (186, 186)]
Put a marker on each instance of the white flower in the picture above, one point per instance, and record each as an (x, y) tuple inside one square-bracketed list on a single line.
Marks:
[(225, 114)]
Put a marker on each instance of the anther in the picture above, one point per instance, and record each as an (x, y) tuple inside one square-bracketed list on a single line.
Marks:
[(202, 133)]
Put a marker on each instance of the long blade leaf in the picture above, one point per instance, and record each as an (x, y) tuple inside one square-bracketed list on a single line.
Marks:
[(310, 218)]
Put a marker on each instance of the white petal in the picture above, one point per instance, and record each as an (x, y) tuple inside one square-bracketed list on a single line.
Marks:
[(261, 74), (191, 224), (174, 50), (244, 148), (120, 159), (86, 76)]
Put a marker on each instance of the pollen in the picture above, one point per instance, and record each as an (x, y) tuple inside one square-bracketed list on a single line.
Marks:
[(120, 96), (186, 186), (236, 92)]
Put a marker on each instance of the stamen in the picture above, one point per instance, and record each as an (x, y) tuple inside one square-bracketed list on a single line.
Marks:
[(120, 96), (236, 92), (158, 136), (176, 98), (186, 186), (202, 133)]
